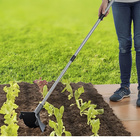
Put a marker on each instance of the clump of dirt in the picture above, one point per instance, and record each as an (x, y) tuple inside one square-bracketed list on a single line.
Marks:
[(29, 97)]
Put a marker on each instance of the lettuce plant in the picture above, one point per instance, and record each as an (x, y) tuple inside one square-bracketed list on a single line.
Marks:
[(95, 124), (68, 88), (78, 92), (92, 113)]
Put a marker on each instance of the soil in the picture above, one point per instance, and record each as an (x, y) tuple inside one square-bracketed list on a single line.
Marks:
[(29, 97)]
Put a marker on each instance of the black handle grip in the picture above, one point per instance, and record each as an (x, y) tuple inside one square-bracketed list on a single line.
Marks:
[(101, 16)]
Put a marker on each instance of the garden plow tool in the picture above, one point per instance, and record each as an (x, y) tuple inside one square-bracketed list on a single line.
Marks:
[(32, 119)]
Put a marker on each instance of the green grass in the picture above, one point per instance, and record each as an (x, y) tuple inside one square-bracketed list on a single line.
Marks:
[(38, 38)]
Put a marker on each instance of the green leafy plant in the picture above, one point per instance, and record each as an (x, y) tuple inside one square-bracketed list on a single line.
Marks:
[(92, 112), (95, 124), (50, 108), (91, 118), (68, 88), (58, 127), (12, 91), (83, 106), (8, 109), (78, 92)]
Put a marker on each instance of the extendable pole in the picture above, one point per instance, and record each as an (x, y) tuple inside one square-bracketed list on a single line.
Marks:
[(39, 107)]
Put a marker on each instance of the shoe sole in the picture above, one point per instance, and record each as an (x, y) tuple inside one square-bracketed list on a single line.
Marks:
[(121, 98)]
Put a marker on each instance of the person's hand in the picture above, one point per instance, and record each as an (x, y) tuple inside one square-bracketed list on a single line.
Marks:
[(103, 7)]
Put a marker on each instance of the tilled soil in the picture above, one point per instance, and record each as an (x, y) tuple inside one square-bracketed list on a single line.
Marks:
[(29, 97)]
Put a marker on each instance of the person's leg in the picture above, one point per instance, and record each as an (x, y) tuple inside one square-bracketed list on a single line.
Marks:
[(122, 19), (136, 20)]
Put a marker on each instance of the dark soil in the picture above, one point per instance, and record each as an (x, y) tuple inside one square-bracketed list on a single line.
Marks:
[(29, 97)]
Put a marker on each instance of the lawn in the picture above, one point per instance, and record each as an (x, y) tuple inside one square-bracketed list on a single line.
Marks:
[(38, 38)]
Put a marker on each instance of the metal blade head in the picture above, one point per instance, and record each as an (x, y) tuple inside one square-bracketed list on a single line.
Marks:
[(32, 120), (29, 119)]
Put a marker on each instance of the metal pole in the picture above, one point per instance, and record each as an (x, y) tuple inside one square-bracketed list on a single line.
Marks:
[(76, 53)]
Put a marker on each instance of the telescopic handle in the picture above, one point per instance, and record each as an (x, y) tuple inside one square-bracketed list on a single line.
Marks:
[(72, 59)]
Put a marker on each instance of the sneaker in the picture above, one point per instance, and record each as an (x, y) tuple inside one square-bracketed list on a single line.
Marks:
[(119, 94), (138, 100)]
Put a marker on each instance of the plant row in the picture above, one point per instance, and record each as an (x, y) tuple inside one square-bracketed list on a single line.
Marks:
[(85, 108), (8, 110)]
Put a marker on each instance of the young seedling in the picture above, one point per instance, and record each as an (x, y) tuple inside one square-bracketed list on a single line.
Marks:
[(12, 91), (83, 106), (78, 92), (79, 102), (95, 124), (92, 113), (68, 88), (50, 108)]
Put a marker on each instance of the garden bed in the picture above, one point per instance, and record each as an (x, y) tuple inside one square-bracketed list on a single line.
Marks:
[(29, 97)]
